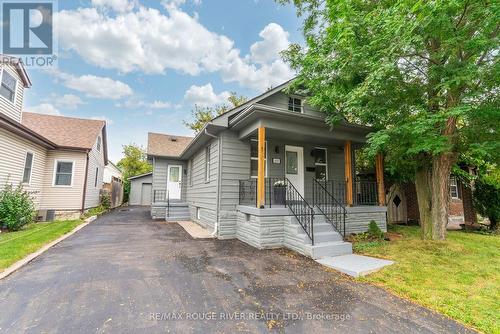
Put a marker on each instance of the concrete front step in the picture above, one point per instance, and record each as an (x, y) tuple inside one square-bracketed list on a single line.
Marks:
[(178, 218), (326, 249)]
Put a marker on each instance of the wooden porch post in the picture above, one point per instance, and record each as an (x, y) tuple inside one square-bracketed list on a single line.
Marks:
[(379, 172), (261, 192), (348, 172)]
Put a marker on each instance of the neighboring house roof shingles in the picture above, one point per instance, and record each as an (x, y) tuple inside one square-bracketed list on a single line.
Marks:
[(65, 132), (166, 145)]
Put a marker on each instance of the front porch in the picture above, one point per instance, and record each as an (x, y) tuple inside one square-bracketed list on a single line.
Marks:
[(303, 192)]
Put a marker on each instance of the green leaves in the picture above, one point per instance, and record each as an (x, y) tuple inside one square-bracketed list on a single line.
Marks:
[(16, 207), (422, 73)]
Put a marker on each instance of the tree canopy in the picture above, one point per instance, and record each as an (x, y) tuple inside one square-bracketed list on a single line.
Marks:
[(202, 115), (424, 74)]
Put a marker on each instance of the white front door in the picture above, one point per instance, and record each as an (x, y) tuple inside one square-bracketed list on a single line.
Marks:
[(294, 166), (174, 181)]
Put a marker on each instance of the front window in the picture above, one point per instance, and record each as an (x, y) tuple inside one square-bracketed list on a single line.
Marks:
[(321, 164), (8, 86), (295, 104), (28, 165), (64, 173), (254, 158), (453, 187)]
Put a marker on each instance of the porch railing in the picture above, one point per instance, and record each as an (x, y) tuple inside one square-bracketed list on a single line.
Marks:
[(364, 191), (280, 192), (159, 196), (334, 211)]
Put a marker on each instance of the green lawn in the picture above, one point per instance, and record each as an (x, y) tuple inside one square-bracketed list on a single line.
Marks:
[(16, 245), (459, 277)]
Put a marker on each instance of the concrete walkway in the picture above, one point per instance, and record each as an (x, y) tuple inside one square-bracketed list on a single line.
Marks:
[(354, 265), (128, 274)]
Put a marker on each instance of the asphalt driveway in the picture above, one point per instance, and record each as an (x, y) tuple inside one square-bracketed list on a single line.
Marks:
[(128, 274)]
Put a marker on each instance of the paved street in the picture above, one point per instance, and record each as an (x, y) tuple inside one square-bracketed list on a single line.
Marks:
[(125, 273)]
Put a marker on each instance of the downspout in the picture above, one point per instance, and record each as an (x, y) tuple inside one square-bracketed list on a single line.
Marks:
[(216, 224), (85, 182)]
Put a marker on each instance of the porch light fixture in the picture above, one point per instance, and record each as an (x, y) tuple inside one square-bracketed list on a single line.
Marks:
[(276, 149)]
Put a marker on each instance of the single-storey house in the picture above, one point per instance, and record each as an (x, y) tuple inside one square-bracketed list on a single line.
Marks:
[(59, 160), (271, 173)]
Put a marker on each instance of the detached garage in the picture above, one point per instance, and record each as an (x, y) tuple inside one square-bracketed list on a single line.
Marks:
[(141, 189)]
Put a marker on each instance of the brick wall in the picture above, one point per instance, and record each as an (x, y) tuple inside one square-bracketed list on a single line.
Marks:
[(458, 207)]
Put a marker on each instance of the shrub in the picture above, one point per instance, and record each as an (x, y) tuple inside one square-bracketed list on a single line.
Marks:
[(486, 198), (374, 231), (16, 208), (106, 200)]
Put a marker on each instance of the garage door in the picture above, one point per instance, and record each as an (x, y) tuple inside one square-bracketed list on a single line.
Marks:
[(146, 194)]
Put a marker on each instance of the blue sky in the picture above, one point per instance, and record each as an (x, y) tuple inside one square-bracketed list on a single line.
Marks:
[(142, 65)]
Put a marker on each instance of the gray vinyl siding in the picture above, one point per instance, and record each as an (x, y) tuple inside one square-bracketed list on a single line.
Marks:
[(13, 110), (280, 100), (136, 190), (235, 166), (96, 160), (202, 194), (13, 151), (160, 170)]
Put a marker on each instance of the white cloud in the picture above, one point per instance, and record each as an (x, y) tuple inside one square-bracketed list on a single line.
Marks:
[(205, 95), (94, 86), (44, 108), (116, 5), (67, 101), (152, 42), (138, 104), (274, 40), (103, 118)]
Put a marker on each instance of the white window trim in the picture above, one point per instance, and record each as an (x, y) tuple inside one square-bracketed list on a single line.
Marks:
[(191, 169), (322, 164), (208, 157), (301, 98), (257, 159), (56, 161), (453, 179), (31, 169), (15, 88)]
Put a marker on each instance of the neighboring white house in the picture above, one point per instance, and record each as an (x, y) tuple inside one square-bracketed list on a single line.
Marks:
[(113, 184), (60, 160), (141, 189), (111, 171)]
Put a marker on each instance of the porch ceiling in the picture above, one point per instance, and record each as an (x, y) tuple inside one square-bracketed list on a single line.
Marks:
[(299, 127)]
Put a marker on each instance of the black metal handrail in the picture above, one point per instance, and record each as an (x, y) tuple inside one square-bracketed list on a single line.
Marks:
[(334, 211), (364, 191), (302, 211), (168, 204)]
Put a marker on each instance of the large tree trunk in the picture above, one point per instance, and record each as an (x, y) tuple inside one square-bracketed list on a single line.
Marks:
[(432, 185)]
